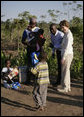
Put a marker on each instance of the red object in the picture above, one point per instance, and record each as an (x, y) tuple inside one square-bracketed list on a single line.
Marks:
[(41, 36), (16, 73)]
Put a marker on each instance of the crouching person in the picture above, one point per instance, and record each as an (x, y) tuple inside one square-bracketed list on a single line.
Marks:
[(42, 81)]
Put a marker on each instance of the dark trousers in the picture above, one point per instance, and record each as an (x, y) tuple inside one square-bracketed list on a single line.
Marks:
[(58, 52), (29, 65), (28, 57)]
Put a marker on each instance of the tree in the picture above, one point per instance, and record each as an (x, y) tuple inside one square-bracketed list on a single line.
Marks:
[(26, 15), (52, 15), (43, 17), (18, 24), (9, 27)]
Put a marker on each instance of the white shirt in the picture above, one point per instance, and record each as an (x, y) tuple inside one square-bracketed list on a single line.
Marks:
[(5, 69), (57, 40), (67, 44)]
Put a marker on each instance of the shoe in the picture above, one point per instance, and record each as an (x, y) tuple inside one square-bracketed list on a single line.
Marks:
[(62, 90), (69, 89)]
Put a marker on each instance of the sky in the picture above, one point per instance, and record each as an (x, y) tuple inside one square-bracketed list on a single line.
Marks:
[(11, 9)]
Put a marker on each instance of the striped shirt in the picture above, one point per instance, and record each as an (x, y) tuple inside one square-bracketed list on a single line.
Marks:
[(41, 70)]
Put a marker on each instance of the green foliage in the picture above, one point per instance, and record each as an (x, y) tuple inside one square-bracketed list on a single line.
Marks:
[(77, 68), (4, 58), (22, 58), (18, 26)]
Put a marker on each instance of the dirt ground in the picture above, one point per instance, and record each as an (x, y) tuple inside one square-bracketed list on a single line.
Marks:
[(20, 103)]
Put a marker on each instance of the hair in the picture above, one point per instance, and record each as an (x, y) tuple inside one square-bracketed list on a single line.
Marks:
[(7, 61), (33, 21), (40, 31), (53, 24), (64, 23), (42, 56)]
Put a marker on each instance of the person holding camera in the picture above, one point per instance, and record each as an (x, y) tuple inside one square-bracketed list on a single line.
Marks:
[(56, 40)]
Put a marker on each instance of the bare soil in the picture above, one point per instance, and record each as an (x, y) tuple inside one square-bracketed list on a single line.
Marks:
[(20, 103)]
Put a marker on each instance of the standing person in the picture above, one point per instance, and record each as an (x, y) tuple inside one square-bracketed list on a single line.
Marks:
[(41, 85), (67, 56), (56, 40), (26, 37)]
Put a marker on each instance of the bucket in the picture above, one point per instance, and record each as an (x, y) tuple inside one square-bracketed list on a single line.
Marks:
[(23, 74)]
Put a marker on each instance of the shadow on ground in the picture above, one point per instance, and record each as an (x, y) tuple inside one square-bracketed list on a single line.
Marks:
[(16, 104), (65, 101)]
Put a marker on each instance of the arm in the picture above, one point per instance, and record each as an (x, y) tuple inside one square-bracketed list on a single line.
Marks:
[(24, 36), (35, 70)]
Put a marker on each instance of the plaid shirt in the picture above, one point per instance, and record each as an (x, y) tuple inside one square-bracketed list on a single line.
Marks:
[(41, 70)]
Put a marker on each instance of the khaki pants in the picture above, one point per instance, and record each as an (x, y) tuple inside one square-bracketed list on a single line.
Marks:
[(65, 81)]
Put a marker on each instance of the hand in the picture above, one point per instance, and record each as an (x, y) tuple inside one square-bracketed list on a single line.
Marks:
[(53, 55), (62, 61)]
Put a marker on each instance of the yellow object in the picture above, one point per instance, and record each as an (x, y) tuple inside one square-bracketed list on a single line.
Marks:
[(13, 73), (35, 57)]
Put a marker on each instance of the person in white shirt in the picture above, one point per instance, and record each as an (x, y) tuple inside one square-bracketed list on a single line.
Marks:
[(5, 71), (56, 40), (67, 56)]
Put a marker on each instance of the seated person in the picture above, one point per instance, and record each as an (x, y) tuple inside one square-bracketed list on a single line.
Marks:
[(6, 70), (6, 74)]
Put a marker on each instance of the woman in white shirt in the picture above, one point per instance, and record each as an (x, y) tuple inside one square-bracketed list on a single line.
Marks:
[(67, 56)]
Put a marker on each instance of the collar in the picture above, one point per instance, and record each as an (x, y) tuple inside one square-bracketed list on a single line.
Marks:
[(33, 28), (56, 33), (67, 31)]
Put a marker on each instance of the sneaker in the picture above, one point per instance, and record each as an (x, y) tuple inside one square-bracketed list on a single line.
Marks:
[(62, 90), (69, 89)]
